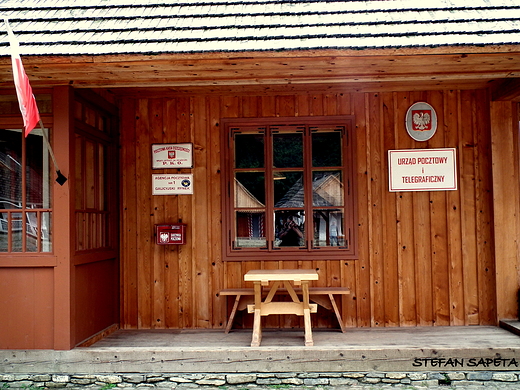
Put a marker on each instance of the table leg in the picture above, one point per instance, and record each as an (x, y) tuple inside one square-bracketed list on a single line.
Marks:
[(257, 320), (307, 314), (335, 307), (233, 313)]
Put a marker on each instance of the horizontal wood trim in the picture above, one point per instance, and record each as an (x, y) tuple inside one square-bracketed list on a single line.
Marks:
[(312, 290), (122, 58), (94, 256), (309, 67), (168, 91), (25, 260), (98, 336)]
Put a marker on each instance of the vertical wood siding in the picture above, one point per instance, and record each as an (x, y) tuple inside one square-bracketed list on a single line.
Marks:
[(425, 258)]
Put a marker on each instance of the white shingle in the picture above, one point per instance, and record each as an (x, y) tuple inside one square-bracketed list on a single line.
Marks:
[(156, 26)]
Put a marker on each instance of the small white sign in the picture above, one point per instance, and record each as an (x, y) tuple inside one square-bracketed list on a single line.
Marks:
[(422, 170), (172, 156), (172, 184)]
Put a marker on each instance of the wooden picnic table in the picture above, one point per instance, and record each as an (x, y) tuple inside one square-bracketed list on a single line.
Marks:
[(287, 278)]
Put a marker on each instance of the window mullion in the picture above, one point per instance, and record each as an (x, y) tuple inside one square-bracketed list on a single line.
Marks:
[(307, 182), (269, 188)]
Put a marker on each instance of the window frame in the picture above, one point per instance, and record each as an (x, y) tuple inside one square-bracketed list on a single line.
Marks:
[(348, 170), (15, 122)]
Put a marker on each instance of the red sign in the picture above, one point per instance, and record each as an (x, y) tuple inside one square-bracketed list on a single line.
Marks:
[(422, 120), (170, 234)]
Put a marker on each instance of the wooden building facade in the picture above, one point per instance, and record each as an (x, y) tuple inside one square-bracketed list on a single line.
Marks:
[(420, 258)]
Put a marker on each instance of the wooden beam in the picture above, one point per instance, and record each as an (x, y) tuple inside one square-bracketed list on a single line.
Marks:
[(508, 89), (266, 69), (64, 291)]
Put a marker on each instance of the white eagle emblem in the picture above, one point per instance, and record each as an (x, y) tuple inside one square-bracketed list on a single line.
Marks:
[(421, 121)]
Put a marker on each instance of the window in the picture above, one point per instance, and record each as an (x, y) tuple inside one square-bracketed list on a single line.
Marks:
[(25, 188), (92, 214), (95, 177), (288, 188)]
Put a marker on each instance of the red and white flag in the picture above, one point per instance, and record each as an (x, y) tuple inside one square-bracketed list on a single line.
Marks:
[(26, 99)]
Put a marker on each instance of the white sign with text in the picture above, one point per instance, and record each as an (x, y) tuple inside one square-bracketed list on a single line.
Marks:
[(172, 184), (172, 156), (422, 170)]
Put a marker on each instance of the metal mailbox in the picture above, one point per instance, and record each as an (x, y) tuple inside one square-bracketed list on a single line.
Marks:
[(168, 234)]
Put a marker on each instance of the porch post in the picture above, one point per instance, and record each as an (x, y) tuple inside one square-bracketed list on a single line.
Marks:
[(506, 198), (62, 220)]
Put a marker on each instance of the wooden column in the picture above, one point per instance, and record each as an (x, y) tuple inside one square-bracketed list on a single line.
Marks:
[(62, 143), (506, 198)]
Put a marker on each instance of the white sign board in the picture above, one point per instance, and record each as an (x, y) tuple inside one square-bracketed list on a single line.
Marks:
[(422, 170), (172, 156), (172, 184)]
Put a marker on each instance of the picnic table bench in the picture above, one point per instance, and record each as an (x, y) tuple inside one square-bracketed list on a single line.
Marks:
[(323, 296)]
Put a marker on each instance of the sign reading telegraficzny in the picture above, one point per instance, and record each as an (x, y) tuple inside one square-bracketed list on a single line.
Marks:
[(422, 170), (172, 156)]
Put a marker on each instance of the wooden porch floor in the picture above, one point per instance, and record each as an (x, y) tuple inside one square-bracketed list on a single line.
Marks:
[(359, 349)]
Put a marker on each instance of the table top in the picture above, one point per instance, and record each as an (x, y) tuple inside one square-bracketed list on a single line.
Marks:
[(265, 275)]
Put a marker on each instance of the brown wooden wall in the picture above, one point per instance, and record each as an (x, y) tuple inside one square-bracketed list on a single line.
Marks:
[(425, 258)]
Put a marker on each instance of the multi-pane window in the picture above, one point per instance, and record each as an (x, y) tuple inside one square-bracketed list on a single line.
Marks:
[(25, 192), (94, 178), (289, 188)]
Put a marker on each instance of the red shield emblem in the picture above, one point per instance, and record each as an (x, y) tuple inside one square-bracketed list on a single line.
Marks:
[(422, 120), (171, 153)]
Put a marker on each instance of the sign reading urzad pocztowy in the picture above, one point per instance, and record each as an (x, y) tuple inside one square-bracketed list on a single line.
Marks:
[(422, 170)]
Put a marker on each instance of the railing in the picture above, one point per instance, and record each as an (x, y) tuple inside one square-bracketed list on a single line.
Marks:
[(34, 237)]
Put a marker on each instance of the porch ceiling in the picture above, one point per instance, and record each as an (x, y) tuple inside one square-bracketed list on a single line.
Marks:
[(330, 70)]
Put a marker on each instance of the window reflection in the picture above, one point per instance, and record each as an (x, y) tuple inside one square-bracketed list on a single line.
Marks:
[(250, 228), (249, 189), (326, 148), (38, 176), (10, 169), (289, 228), (17, 230), (250, 214), (288, 189), (328, 229), (24, 222), (288, 150), (249, 150), (327, 189)]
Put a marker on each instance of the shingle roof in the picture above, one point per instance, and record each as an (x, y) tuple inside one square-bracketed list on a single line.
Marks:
[(80, 27)]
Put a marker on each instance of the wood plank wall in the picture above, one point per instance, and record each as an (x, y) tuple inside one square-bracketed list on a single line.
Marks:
[(425, 258)]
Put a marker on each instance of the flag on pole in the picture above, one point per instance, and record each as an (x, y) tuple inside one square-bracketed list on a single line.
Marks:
[(26, 99)]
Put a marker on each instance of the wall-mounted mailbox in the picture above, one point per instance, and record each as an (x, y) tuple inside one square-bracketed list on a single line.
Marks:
[(168, 234)]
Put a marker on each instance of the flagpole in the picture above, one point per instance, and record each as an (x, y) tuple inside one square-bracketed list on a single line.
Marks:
[(61, 179), (26, 99)]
